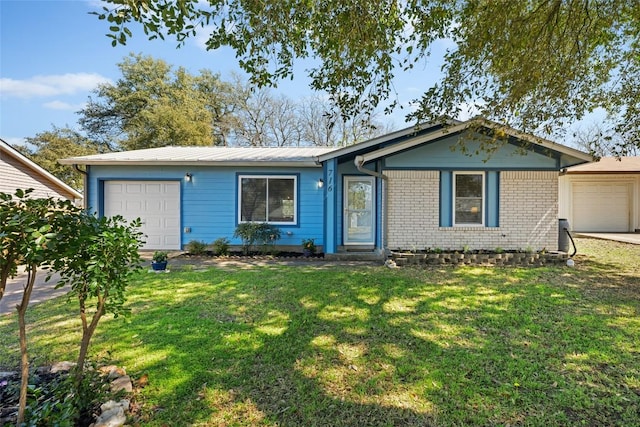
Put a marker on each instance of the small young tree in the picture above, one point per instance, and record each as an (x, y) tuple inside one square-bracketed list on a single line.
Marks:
[(98, 260), (28, 238)]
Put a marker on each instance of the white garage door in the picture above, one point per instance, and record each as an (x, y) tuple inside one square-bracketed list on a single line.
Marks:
[(601, 206), (156, 203)]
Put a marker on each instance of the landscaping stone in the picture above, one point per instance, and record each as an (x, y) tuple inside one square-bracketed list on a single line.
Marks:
[(486, 259), (122, 383), (62, 367), (113, 414), (112, 371)]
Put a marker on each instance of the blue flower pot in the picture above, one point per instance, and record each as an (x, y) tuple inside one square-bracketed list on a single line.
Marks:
[(159, 266)]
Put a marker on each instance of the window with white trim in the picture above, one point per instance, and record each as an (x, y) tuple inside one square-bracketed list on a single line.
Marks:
[(468, 198), (270, 199)]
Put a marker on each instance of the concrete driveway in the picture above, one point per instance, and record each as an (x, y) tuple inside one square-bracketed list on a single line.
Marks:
[(42, 291), (633, 238)]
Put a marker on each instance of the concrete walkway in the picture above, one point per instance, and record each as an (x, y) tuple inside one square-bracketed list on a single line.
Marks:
[(42, 291), (633, 238)]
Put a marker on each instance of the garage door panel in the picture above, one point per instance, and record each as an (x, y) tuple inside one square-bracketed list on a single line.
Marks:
[(603, 207), (156, 203)]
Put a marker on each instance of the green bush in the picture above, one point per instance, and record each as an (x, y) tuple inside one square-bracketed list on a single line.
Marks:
[(59, 402), (196, 247), (257, 234), (220, 246)]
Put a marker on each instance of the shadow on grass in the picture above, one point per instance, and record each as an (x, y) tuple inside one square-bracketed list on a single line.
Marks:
[(378, 347), (369, 346)]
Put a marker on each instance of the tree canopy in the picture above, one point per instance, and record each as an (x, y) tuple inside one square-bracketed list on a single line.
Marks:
[(47, 147), (154, 105), (537, 65)]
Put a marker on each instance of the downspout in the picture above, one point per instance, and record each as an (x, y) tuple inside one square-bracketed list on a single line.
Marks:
[(85, 182), (359, 162)]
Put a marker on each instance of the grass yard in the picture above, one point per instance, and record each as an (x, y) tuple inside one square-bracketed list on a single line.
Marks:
[(369, 346)]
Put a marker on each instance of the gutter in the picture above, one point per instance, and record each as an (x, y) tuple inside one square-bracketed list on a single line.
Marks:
[(85, 183), (359, 161)]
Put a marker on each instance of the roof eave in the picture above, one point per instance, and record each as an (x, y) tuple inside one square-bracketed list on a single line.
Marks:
[(384, 138), (231, 163), (570, 172), (15, 154), (579, 156)]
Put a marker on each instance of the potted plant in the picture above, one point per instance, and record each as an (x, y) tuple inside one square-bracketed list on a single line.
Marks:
[(159, 260), (308, 247)]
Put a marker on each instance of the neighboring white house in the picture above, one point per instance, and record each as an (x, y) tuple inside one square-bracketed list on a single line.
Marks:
[(17, 171), (602, 196)]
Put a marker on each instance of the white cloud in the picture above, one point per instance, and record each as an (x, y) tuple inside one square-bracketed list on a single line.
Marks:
[(52, 85), (469, 110), (64, 106)]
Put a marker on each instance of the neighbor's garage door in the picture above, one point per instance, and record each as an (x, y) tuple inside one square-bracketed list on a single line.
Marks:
[(157, 203), (601, 206)]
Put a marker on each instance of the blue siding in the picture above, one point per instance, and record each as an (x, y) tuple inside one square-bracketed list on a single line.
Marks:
[(209, 202), (443, 154), (446, 199), (492, 194), (330, 205)]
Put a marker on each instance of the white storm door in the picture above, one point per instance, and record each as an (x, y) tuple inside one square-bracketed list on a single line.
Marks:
[(358, 221), (156, 203)]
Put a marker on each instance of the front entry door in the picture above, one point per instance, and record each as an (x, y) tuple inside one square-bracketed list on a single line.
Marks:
[(358, 211)]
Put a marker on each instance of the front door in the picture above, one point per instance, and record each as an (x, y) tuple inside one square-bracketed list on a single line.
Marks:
[(358, 211)]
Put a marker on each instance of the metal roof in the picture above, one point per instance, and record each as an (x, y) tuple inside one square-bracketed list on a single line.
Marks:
[(221, 156), (608, 165)]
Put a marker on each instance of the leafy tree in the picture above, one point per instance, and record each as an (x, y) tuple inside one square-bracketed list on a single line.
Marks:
[(46, 148), (153, 105), (96, 256), (536, 65), (28, 238), (98, 259)]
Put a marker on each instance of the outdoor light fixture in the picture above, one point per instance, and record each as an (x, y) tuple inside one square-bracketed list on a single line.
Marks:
[(188, 176), (320, 183)]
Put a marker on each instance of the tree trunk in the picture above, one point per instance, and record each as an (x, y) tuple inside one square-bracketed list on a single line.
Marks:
[(87, 333), (24, 360)]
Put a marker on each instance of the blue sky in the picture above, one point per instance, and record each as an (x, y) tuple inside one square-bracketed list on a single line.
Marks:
[(53, 53)]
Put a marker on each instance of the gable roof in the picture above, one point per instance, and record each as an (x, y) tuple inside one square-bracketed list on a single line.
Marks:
[(39, 173), (608, 165), (570, 155), (207, 156), (389, 138)]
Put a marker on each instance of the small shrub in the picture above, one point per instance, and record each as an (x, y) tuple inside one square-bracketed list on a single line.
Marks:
[(262, 234), (57, 402), (220, 246), (160, 256), (196, 247), (309, 246)]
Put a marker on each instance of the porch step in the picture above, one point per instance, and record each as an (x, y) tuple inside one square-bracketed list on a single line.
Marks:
[(357, 256)]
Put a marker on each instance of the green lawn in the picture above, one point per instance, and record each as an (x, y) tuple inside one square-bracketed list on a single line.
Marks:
[(371, 346)]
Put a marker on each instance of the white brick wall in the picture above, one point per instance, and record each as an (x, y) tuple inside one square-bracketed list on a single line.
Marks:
[(528, 213)]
